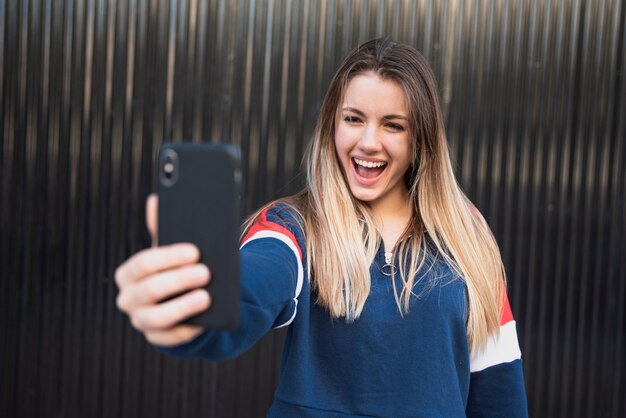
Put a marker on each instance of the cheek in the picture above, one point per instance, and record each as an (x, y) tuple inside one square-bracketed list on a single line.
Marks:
[(342, 144), (405, 150), (404, 153)]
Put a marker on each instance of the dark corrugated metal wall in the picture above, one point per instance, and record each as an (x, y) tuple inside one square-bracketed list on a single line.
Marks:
[(534, 97)]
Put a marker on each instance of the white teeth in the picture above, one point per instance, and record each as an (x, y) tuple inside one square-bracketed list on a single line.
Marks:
[(369, 164)]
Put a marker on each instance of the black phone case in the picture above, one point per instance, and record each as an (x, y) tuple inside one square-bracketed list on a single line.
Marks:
[(199, 187)]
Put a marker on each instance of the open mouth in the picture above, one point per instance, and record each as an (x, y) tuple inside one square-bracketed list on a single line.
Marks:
[(368, 169)]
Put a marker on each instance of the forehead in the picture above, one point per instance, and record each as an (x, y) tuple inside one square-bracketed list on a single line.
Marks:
[(370, 93)]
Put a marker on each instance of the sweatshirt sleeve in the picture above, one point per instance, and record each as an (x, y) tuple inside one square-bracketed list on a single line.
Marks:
[(497, 381), (271, 278)]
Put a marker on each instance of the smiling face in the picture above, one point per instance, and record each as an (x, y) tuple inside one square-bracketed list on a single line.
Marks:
[(372, 140)]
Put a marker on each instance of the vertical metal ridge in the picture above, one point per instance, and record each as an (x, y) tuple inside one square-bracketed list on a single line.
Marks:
[(48, 114), (616, 363), (284, 162), (4, 191), (6, 350), (568, 243), (266, 146), (602, 186), (170, 55), (558, 132), (585, 163), (22, 116)]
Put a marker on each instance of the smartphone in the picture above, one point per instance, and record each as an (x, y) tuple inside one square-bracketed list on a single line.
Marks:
[(199, 188)]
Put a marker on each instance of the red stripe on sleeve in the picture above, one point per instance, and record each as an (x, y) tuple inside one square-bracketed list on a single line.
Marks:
[(506, 315), (263, 224)]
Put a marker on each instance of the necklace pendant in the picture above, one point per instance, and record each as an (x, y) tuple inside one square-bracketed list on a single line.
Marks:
[(388, 269)]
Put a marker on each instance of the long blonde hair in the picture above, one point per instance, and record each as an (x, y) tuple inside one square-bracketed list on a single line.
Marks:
[(341, 237)]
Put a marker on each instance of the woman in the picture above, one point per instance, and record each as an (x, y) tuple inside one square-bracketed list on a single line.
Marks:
[(389, 279)]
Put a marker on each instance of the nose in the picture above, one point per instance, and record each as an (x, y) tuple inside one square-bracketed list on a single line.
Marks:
[(369, 141)]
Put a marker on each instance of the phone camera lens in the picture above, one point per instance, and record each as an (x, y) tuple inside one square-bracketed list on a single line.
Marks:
[(168, 167)]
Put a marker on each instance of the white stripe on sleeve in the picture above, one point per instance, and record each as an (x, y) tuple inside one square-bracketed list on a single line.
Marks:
[(498, 350), (285, 239)]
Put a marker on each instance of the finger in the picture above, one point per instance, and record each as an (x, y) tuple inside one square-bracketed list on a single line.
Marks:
[(163, 285), (167, 314), (152, 216), (177, 335), (154, 260)]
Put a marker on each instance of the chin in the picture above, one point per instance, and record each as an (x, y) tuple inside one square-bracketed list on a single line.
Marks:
[(364, 195)]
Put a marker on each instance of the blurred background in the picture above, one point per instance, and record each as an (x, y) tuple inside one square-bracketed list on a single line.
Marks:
[(533, 93)]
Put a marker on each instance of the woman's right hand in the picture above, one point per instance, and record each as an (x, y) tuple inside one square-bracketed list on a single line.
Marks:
[(149, 278)]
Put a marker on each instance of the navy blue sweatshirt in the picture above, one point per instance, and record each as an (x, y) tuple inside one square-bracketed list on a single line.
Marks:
[(383, 364)]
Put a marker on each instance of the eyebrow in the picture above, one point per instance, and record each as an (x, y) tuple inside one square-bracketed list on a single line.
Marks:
[(360, 113)]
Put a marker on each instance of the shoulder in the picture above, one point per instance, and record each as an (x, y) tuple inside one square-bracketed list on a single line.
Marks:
[(476, 214), (283, 213), (278, 220)]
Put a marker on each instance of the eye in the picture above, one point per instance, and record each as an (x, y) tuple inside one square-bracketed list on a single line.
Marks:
[(351, 119), (395, 127)]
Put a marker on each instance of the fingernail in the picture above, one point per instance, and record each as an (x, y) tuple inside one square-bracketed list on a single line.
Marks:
[(202, 271), (190, 250), (201, 298)]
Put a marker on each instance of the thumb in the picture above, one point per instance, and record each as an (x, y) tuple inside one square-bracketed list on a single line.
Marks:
[(152, 216)]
